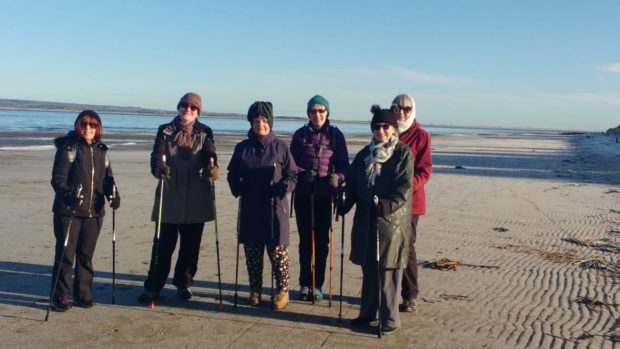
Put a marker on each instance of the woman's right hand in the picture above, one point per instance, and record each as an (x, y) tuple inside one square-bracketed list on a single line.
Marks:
[(162, 171)]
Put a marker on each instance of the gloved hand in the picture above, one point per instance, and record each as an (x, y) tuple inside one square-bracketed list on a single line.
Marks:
[(238, 187), (340, 207), (214, 173), (334, 180), (115, 200), (74, 199), (278, 190), (308, 176), (382, 208), (162, 171)]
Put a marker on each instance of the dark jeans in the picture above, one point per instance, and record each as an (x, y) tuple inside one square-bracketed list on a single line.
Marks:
[(81, 244), (410, 275), (187, 260), (322, 225)]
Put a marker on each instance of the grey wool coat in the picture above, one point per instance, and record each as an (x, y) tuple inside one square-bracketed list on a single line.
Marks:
[(392, 185), (188, 194)]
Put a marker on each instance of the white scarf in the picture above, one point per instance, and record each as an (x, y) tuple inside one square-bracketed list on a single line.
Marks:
[(379, 153), (405, 125)]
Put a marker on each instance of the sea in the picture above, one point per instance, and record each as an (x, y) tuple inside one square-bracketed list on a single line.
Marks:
[(27, 128)]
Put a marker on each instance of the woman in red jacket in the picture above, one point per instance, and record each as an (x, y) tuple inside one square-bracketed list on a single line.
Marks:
[(419, 141)]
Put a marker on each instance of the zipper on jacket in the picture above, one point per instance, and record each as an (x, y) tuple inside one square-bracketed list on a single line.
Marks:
[(92, 182)]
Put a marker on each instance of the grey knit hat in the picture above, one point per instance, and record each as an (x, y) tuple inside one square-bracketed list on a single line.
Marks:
[(192, 99)]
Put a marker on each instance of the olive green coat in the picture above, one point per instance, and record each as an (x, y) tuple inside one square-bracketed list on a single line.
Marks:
[(393, 185)]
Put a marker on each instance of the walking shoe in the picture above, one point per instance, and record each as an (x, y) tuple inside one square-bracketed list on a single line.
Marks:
[(304, 293), (84, 303), (281, 300), (388, 330), (184, 293), (61, 304), (255, 297), (148, 296), (408, 306), (318, 294), (360, 321)]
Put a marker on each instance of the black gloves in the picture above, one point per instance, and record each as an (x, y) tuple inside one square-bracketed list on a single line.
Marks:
[(238, 187), (382, 208), (74, 198), (278, 190), (111, 192), (162, 171)]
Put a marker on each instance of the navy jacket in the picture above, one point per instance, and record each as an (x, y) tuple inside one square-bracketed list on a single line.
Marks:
[(255, 163)]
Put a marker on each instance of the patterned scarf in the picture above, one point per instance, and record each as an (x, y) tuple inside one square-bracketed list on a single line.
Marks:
[(379, 153), (183, 139)]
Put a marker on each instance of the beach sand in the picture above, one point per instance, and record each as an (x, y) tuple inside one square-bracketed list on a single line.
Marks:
[(520, 214)]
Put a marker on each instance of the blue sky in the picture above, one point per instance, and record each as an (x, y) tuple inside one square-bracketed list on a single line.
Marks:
[(541, 64)]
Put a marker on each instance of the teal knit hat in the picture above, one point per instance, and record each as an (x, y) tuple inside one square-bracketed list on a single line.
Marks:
[(317, 99)]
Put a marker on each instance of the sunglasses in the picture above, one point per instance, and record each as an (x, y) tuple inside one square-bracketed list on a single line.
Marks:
[(405, 109), (190, 107), (385, 127), (84, 124), (317, 111)]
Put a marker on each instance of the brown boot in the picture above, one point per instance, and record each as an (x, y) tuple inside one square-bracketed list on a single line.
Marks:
[(255, 297), (281, 300)]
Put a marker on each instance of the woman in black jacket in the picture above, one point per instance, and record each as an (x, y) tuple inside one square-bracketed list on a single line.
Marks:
[(261, 172), (82, 179)]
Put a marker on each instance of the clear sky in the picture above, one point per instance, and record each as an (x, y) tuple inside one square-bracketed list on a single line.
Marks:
[(544, 64)]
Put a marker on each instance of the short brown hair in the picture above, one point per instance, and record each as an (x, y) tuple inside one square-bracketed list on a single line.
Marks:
[(90, 116)]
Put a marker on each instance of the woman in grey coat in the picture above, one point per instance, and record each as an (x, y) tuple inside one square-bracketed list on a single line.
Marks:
[(186, 172), (383, 169)]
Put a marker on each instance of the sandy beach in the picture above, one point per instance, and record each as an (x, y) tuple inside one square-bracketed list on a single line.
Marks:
[(533, 220)]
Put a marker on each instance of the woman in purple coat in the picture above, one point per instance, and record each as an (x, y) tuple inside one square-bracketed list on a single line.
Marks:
[(320, 152), (260, 173)]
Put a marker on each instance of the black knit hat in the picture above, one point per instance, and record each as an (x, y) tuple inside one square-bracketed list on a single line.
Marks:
[(261, 108), (383, 116)]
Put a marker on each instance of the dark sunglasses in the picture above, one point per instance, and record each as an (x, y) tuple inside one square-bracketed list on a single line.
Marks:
[(92, 124), (190, 107), (385, 127), (319, 111), (405, 109)]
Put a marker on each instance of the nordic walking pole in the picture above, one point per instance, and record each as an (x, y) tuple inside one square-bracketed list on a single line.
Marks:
[(341, 261), (312, 252), (62, 255), (113, 247), (273, 205), (217, 239), (237, 263), (158, 226), (331, 251), (376, 201)]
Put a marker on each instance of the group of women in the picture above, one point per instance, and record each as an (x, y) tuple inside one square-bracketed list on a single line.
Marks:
[(385, 182)]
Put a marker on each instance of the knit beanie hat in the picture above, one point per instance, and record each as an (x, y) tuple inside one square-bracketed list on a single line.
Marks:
[(317, 99), (383, 116), (261, 108), (93, 114), (192, 99)]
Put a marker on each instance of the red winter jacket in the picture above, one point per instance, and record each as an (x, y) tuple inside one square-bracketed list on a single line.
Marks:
[(419, 142)]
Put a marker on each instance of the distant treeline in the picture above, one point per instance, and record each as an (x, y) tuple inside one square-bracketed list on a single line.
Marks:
[(20, 104)]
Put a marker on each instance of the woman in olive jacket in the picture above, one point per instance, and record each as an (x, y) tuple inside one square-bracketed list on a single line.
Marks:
[(82, 179), (382, 169), (186, 172)]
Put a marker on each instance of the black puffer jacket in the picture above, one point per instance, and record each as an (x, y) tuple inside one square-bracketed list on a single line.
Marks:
[(78, 163)]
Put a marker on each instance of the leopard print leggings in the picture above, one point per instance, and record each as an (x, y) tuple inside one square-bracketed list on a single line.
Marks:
[(278, 254)]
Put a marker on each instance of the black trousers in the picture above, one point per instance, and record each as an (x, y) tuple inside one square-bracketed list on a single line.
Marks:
[(322, 225), (187, 260), (410, 275), (80, 249)]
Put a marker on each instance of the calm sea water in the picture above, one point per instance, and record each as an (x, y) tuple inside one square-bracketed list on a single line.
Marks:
[(46, 121)]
